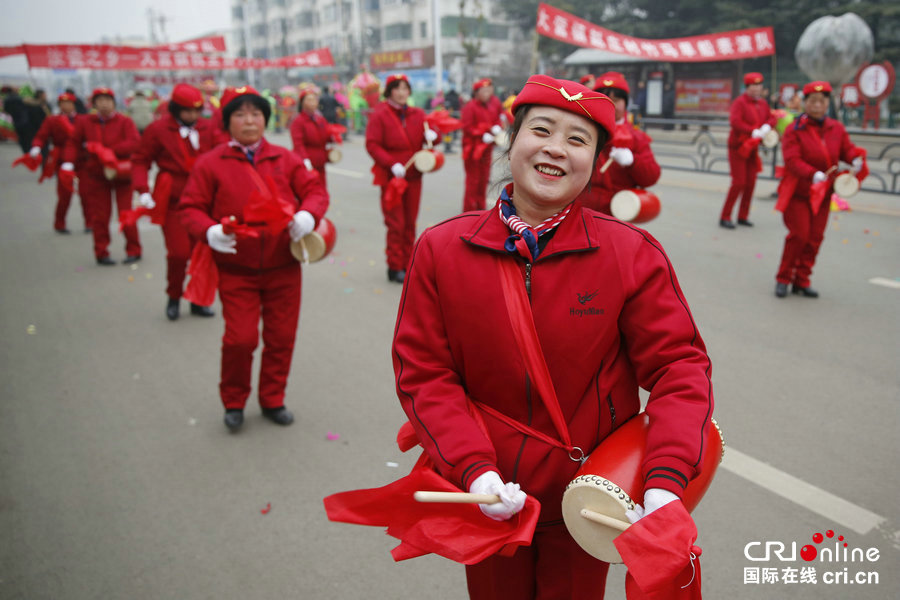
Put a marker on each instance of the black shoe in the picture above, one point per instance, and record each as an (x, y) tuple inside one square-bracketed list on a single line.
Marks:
[(781, 289), (202, 311), (172, 309), (131, 259), (280, 415), (396, 276), (234, 418), (726, 224), (62, 231), (745, 223), (88, 230), (105, 261), (806, 292)]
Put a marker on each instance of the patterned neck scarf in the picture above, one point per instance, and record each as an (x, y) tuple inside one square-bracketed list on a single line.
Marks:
[(249, 151), (524, 240)]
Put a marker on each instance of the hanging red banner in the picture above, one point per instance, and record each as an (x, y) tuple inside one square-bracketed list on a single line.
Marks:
[(123, 58), (11, 50), (727, 45), (209, 44)]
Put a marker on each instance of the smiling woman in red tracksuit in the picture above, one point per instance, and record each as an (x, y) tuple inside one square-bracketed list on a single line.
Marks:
[(395, 132), (258, 276), (610, 318)]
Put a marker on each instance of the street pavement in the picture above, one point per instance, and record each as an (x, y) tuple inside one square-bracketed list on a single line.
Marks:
[(119, 480)]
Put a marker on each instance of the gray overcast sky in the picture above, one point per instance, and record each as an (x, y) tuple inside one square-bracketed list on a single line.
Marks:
[(87, 21)]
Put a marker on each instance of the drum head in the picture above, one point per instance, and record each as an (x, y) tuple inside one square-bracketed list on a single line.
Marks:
[(625, 205), (770, 140), (335, 155), (600, 495), (424, 161), (846, 185), (315, 248), (109, 173)]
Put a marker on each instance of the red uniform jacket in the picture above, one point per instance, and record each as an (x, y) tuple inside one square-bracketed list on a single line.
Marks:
[(477, 119), (219, 187), (746, 115), (310, 134), (118, 133), (56, 129), (610, 316), (162, 143), (391, 140), (642, 173), (809, 147)]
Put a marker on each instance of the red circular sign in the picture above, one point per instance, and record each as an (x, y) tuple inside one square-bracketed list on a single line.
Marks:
[(876, 81)]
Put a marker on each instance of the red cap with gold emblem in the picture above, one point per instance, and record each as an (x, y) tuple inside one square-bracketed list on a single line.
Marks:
[(393, 81), (481, 83), (102, 91), (231, 93), (586, 79), (187, 96), (310, 89), (569, 96), (823, 87), (66, 97), (612, 79), (752, 78)]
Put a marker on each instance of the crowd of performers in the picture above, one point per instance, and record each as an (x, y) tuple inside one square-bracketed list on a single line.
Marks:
[(232, 203)]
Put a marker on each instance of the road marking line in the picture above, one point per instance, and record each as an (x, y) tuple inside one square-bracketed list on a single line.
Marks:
[(808, 496), (346, 173), (891, 283)]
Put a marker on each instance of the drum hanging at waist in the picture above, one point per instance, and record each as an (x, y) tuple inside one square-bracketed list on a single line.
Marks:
[(121, 173), (635, 206)]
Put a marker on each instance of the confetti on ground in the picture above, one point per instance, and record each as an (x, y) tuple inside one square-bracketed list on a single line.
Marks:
[(331, 261), (343, 263), (131, 278), (845, 241), (868, 244), (758, 255), (332, 436), (874, 233), (266, 510), (348, 290), (689, 233), (343, 273), (31, 330), (352, 230), (192, 422), (133, 267), (371, 263), (378, 291), (149, 275), (136, 376), (866, 231), (392, 465), (79, 269)]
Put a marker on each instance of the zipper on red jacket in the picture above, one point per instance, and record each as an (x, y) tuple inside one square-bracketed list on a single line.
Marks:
[(612, 412), (528, 280)]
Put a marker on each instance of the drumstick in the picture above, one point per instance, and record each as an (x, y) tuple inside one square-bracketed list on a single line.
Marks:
[(456, 497), (606, 165), (604, 520), (410, 161), (831, 169)]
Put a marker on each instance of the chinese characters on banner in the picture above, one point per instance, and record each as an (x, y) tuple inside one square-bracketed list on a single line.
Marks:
[(727, 45), (703, 97), (402, 59), (124, 58)]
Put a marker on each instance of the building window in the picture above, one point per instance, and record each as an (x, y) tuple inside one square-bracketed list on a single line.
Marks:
[(372, 5), (398, 31), (423, 29), (450, 27), (329, 13), (304, 19), (237, 12)]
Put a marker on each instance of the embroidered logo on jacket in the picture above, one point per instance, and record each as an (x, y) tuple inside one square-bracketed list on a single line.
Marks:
[(584, 299)]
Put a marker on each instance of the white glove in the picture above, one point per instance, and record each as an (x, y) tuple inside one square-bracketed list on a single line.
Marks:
[(757, 134), (653, 498), (855, 168), (487, 138), (819, 177), (398, 170), (147, 201), (301, 225), (495, 130), (308, 164), (512, 499), (221, 241), (67, 166), (622, 156), (35, 151), (430, 135), (766, 128)]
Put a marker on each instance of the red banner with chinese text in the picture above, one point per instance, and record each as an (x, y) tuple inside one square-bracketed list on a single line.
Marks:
[(702, 97), (402, 59), (124, 58), (727, 45), (11, 50)]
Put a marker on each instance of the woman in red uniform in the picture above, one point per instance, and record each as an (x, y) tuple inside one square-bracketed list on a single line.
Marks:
[(309, 132), (812, 145), (395, 132), (750, 117), (109, 130), (258, 276), (610, 318), (480, 125), (56, 129), (174, 143), (634, 165)]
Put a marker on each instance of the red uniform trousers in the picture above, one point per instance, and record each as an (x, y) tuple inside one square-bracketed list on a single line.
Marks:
[(553, 567), (178, 250), (478, 175), (801, 245), (743, 180), (401, 225), (63, 200), (275, 295), (96, 194)]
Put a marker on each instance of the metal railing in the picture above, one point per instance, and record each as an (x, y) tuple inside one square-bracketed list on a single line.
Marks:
[(702, 145)]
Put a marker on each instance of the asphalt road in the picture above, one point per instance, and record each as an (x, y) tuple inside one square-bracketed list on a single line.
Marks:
[(118, 479)]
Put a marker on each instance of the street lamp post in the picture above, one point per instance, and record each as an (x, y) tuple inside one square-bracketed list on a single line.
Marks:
[(438, 59), (248, 52)]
